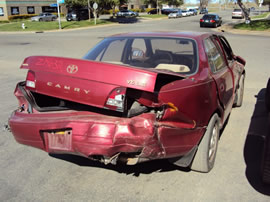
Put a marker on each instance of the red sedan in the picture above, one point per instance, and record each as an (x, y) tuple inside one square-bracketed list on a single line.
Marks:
[(134, 97)]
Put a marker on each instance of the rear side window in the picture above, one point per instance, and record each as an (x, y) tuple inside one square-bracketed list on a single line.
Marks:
[(109, 54), (215, 58)]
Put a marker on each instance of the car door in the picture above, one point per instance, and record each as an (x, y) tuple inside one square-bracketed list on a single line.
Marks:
[(47, 17), (221, 73), (236, 66)]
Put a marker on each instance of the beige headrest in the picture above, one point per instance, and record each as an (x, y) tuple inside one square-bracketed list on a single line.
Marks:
[(173, 67)]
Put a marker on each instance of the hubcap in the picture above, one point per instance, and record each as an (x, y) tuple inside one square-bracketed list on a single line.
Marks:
[(213, 144)]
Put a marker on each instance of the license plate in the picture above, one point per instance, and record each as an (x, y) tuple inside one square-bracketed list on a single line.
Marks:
[(60, 140), (206, 20)]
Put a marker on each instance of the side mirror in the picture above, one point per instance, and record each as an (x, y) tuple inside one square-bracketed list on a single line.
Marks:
[(240, 60)]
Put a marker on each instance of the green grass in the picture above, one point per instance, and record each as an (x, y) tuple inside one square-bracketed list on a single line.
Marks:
[(45, 26), (255, 25), (264, 15)]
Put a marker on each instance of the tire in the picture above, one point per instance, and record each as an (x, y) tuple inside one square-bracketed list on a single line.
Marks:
[(238, 101), (266, 162), (204, 159), (40, 20), (267, 96), (53, 19)]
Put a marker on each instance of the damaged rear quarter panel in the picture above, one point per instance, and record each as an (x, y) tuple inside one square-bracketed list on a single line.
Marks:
[(194, 102)]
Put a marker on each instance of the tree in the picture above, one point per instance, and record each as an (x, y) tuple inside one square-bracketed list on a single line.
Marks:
[(245, 10), (265, 2), (174, 2), (203, 3), (102, 4), (158, 3)]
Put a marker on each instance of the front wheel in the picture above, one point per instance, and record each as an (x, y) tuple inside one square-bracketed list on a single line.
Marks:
[(206, 154), (266, 162)]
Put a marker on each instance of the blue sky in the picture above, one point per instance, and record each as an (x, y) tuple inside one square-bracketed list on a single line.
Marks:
[(213, 1)]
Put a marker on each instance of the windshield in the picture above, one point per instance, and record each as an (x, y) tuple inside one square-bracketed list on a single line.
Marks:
[(175, 54)]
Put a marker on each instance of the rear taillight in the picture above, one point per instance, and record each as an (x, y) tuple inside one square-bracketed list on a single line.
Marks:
[(116, 100), (31, 79), (212, 21), (201, 20)]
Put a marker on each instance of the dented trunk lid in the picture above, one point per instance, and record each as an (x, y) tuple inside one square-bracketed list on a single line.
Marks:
[(83, 81)]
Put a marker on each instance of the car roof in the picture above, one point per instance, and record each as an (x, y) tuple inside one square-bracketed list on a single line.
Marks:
[(206, 15), (191, 35)]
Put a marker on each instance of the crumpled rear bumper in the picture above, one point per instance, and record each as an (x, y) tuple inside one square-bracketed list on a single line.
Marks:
[(86, 134), (98, 136)]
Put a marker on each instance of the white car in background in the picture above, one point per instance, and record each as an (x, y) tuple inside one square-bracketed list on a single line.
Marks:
[(237, 13), (189, 13), (184, 13)]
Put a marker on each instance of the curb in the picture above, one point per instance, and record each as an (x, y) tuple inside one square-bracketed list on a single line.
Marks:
[(229, 28)]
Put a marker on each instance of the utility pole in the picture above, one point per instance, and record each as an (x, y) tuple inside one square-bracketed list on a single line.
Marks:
[(89, 11), (157, 8), (59, 16), (245, 11)]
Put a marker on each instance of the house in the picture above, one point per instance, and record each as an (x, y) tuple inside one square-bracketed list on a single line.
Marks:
[(22, 7)]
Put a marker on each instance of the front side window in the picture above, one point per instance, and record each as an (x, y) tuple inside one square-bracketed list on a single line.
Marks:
[(170, 54), (31, 10), (15, 11), (226, 46), (1, 11)]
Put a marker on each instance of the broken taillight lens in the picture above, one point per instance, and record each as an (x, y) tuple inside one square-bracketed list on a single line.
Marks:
[(31, 79), (116, 100)]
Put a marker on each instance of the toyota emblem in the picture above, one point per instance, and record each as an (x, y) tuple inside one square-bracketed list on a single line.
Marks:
[(72, 69)]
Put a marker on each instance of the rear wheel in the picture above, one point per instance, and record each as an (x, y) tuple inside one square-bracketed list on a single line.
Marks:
[(240, 92), (206, 154), (40, 20)]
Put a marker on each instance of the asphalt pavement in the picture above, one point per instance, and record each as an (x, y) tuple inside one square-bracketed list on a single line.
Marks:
[(28, 174)]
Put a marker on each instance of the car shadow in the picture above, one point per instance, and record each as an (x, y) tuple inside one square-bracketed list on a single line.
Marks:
[(135, 170), (253, 149), (124, 19)]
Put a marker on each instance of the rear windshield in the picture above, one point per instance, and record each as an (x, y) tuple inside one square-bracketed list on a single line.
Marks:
[(173, 54), (237, 10), (209, 17)]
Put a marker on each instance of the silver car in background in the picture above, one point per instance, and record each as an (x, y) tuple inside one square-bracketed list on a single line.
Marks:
[(175, 14), (44, 17), (127, 13)]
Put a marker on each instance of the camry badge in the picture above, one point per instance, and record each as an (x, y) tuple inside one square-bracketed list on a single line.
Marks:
[(72, 69)]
